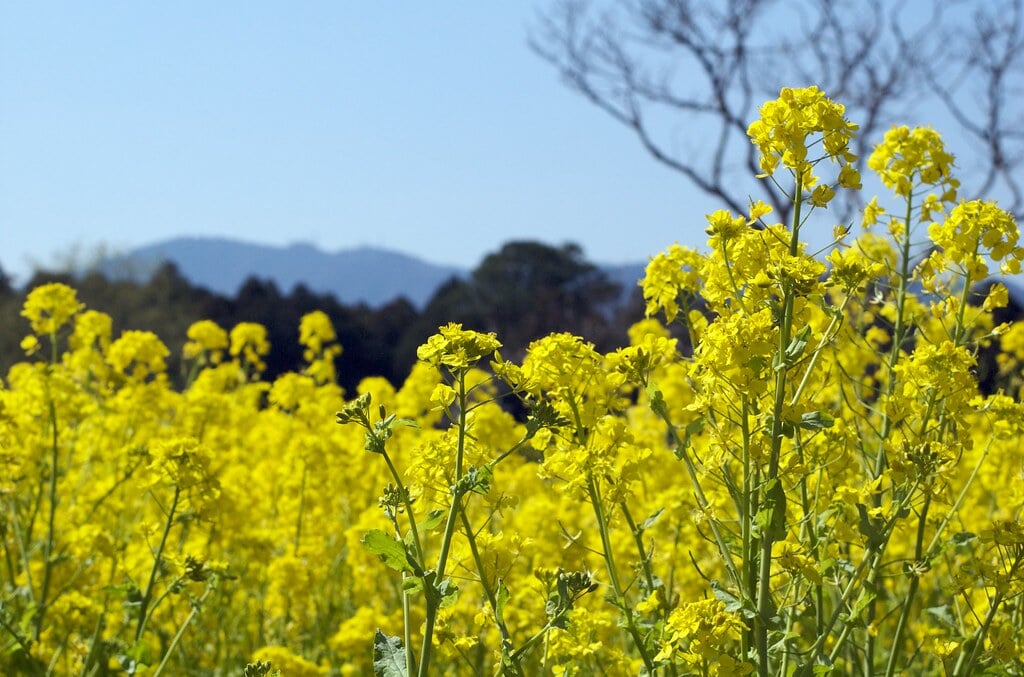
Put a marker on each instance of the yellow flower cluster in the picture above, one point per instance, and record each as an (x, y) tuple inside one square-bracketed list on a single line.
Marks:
[(783, 130), (907, 157), (808, 474), (49, 307)]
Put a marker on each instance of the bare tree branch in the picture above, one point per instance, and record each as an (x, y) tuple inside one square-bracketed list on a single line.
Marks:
[(657, 66)]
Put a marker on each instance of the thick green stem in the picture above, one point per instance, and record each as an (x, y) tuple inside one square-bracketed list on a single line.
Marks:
[(765, 604), (406, 605)]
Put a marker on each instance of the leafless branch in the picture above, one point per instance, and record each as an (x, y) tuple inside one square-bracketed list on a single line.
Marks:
[(657, 66)]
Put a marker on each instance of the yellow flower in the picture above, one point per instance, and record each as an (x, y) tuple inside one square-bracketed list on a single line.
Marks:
[(871, 213), (180, 461), (849, 177), (757, 210), (907, 157), (701, 631), (822, 195), (49, 307), (316, 333), (722, 225), (206, 338), (651, 604), (457, 348), (249, 342), (290, 664), (782, 132), (978, 228), (315, 330), (668, 276), (443, 395), (30, 344), (143, 351)]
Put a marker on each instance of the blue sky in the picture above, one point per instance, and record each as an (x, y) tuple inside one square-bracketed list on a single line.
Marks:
[(429, 129)]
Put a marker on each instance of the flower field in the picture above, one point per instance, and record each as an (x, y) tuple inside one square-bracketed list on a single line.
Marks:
[(791, 469)]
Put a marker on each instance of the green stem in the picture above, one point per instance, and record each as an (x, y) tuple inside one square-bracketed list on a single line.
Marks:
[(871, 557), (908, 602), (407, 502), (747, 509), (702, 501), (765, 603), (154, 572), (962, 668), (302, 506), (51, 530), (181, 631), (449, 531), (406, 605), (638, 539), (19, 536), (506, 639), (897, 338), (170, 589), (613, 574)]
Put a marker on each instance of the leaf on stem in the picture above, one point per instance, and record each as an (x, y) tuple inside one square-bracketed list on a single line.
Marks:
[(650, 521), (388, 656), (501, 599), (390, 551)]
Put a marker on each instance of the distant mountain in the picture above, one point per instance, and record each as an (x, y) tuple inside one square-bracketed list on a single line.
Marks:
[(360, 275), (626, 274)]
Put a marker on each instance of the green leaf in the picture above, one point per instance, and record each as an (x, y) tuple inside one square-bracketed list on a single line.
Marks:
[(412, 584), (823, 664), (797, 345), (388, 656), (449, 593), (657, 400), (826, 565), (816, 420), (862, 603), (771, 519), (962, 538), (501, 599), (138, 654), (869, 529), (432, 521), (732, 602), (945, 616), (391, 551), (650, 521), (692, 428)]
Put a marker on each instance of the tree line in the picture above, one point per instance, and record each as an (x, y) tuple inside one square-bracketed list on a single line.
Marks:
[(523, 291)]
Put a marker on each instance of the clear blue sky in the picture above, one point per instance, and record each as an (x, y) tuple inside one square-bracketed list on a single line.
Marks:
[(427, 128), (430, 128)]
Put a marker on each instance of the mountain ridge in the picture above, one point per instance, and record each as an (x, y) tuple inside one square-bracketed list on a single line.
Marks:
[(364, 274)]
